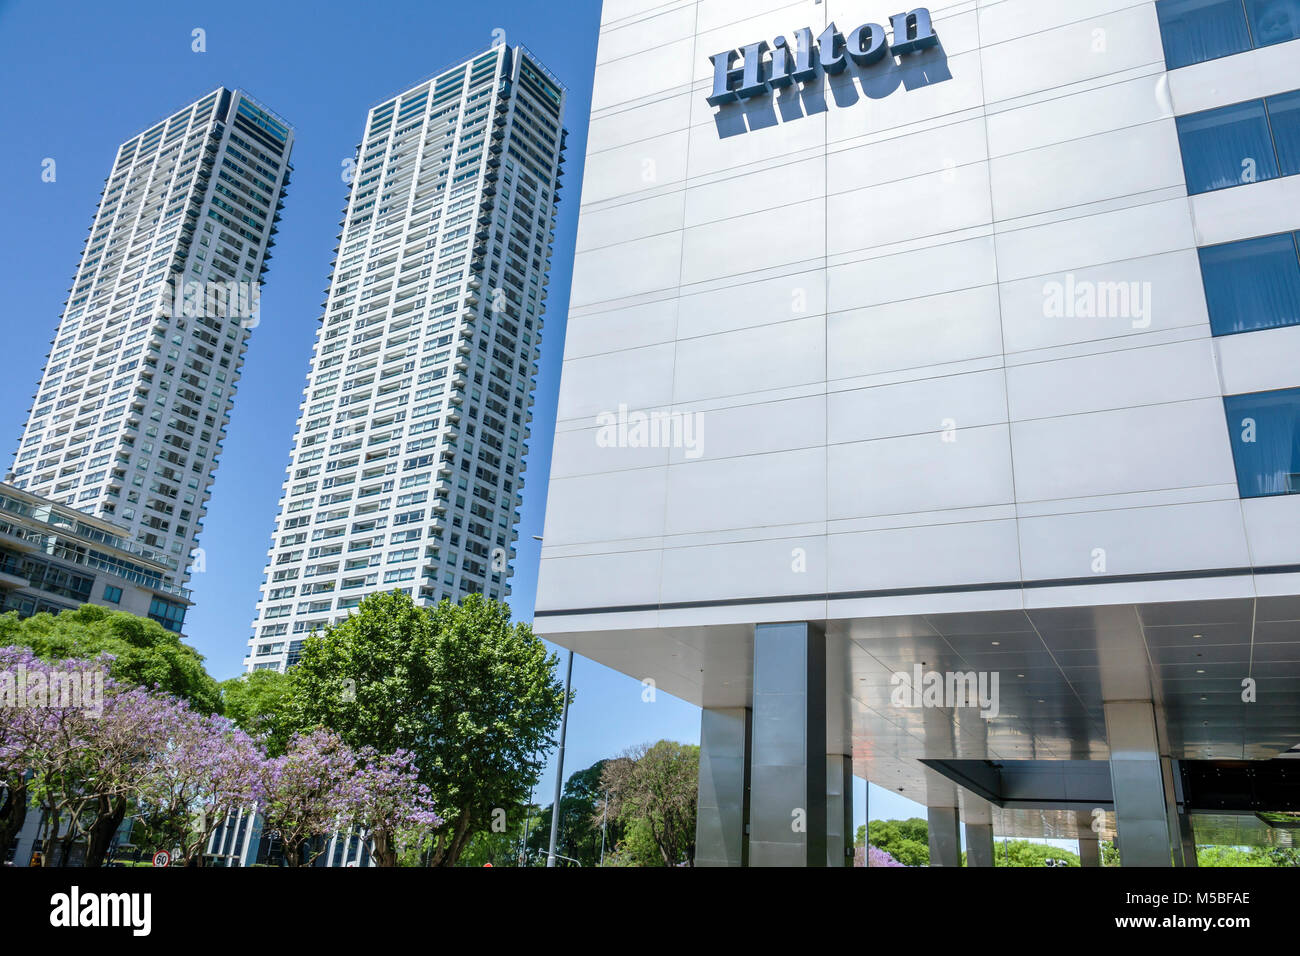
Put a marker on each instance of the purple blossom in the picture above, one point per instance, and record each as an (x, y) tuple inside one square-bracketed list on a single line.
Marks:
[(878, 857)]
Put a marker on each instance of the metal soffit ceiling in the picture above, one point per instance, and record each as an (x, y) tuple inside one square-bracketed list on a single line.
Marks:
[(1052, 665)]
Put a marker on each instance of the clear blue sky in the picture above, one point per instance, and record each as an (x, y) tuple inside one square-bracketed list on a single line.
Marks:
[(82, 78)]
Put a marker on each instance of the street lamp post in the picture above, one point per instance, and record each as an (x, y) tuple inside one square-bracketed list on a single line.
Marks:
[(559, 770), (523, 844), (603, 815)]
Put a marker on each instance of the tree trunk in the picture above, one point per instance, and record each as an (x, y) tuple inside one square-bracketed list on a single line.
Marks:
[(13, 813), (382, 849), (51, 836), (65, 845), (100, 835), (449, 852), (461, 838)]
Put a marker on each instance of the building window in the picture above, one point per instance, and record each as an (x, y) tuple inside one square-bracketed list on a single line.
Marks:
[(112, 594), (1265, 432), (1194, 31), (1284, 120), (1253, 284), (169, 615), (1242, 143)]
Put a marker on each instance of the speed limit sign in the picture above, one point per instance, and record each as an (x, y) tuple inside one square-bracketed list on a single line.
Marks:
[(162, 858)]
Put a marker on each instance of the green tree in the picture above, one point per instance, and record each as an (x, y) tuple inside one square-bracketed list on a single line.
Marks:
[(472, 696), (637, 847), (501, 847), (582, 808), (1249, 856), (653, 790), (144, 652), (907, 841), (258, 704), (1280, 855), (1022, 853)]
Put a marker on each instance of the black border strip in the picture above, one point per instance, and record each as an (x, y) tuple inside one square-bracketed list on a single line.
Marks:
[(945, 589)]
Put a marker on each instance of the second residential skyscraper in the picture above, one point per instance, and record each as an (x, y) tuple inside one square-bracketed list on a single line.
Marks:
[(128, 420), (407, 462)]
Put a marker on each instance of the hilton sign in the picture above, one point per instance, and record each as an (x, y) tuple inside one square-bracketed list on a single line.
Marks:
[(864, 45)]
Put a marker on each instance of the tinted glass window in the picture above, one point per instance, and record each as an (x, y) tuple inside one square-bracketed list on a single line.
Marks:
[(1196, 30), (1226, 147), (1265, 432), (1284, 118), (1273, 21), (1253, 284)]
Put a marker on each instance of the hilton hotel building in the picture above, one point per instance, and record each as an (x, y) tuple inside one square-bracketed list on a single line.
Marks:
[(930, 413)]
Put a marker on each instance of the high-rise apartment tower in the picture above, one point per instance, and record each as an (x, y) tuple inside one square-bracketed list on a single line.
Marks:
[(131, 411), (407, 462)]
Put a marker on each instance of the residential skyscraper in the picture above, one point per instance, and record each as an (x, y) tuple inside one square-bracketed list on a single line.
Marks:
[(129, 417), (407, 462)]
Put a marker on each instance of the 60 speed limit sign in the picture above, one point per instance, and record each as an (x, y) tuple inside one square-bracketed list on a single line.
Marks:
[(162, 858)]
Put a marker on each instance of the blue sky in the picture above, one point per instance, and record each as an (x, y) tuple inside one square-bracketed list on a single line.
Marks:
[(82, 78)]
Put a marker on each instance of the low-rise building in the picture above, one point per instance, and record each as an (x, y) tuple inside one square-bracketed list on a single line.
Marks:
[(55, 558)]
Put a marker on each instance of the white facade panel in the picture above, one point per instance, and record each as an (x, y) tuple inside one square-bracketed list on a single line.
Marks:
[(940, 321)]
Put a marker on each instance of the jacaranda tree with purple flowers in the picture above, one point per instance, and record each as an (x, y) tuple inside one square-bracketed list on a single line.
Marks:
[(206, 769), (88, 768), (393, 807), (89, 760), (24, 733), (310, 791)]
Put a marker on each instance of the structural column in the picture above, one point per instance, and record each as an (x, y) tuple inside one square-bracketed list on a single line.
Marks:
[(723, 808), (839, 810), (1141, 816), (945, 836), (1188, 840), (1181, 843), (1089, 850), (1089, 839), (979, 831), (788, 822)]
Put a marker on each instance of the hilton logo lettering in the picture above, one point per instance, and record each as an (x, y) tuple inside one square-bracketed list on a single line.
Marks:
[(864, 45)]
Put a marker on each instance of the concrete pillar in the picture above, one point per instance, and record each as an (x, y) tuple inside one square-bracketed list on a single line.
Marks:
[(945, 836), (866, 820), (979, 844), (1141, 816), (1089, 851), (978, 817), (723, 804), (1188, 840), (788, 763), (839, 810)]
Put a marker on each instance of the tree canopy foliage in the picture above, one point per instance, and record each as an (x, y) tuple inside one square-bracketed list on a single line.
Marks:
[(653, 792), (144, 652), (470, 696)]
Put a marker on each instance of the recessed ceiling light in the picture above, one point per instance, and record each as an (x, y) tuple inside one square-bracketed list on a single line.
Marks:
[(996, 643)]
